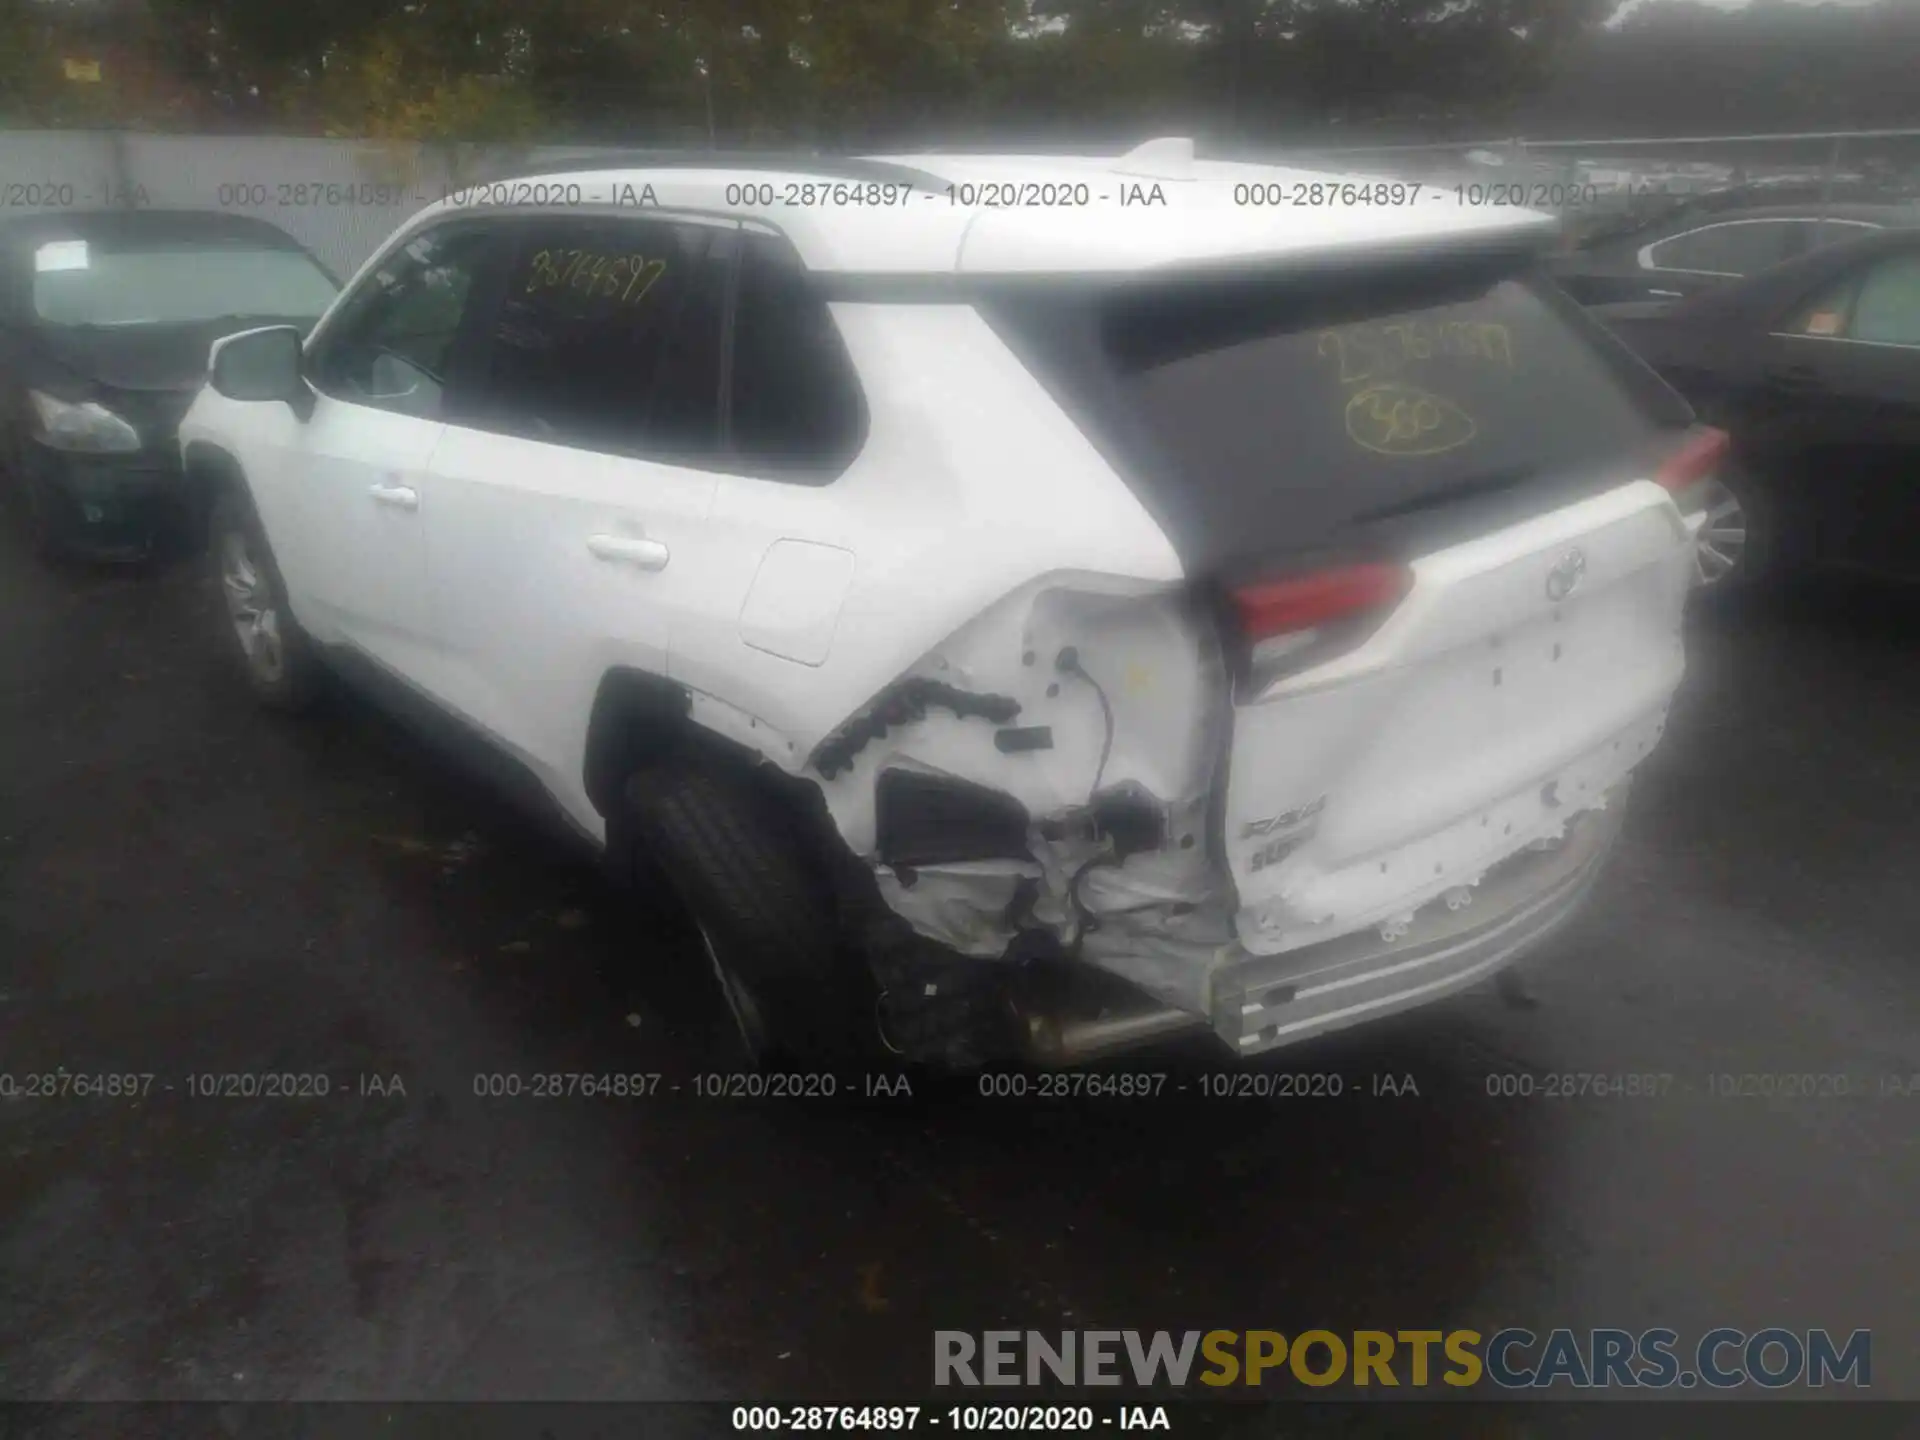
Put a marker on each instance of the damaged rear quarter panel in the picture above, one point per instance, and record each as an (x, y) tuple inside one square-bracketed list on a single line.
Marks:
[(972, 485)]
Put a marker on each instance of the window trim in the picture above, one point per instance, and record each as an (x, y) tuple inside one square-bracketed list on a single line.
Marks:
[(1646, 261)]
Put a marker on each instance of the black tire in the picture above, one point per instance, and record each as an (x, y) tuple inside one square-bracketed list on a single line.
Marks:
[(765, 910), (26, 497), (36, 514), (283, 669)]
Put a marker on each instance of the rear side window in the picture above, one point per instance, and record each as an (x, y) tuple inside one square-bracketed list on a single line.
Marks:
[(1741, 248), (796, 408), (608, 337), (1879, 306), (1259, 417)]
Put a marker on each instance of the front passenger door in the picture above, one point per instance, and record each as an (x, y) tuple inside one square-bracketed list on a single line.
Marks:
[(1853, 358), (382, 370)]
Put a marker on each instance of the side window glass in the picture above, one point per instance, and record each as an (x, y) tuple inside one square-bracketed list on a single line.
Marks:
[(392, 343), (1737, 249), (1827, 317), (1880, 305), (1887, 311), (794, 403), (609, 337)]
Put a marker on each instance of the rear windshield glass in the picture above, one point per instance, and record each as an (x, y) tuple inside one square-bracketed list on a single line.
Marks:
[(77, 283), (1383, 399), (1259, 417)]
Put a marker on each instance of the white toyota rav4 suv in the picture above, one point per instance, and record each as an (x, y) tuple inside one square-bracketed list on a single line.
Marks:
[(1020, 606)]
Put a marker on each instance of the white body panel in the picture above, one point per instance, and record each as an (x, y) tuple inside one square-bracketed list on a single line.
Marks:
[(552, 566), (968, 487)]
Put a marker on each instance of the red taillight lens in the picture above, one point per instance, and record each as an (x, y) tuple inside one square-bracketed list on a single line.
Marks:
[(1283, 607), (1287, 626), (1700, 458)]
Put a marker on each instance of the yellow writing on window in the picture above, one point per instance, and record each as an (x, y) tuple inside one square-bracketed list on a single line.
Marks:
[(623, 279), (1371, 352), (1396, 419)]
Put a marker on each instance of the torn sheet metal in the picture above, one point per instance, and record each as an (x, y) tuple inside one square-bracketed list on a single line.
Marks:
[(1117, 799)]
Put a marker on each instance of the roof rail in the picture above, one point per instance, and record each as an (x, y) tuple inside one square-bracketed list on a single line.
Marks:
[(833, 167)]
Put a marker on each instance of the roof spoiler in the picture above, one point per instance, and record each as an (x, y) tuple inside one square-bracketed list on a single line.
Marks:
[(1169, 158)]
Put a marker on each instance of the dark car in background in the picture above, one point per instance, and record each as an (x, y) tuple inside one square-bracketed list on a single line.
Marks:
[(1813, 367), (1699, 248), (106, 318)]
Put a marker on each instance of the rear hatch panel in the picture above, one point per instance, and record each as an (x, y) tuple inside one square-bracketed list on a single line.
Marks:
[(1479, 718), (1460, 418)]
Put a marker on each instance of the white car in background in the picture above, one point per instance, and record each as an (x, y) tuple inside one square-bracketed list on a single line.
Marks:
[(1020, 604)]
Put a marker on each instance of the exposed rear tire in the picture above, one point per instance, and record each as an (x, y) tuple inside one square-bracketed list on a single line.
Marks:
[(765, 908), (274, 654)]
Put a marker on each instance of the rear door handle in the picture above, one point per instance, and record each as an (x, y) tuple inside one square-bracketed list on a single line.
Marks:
[(632, 550), (1795, 379), (401, 497)]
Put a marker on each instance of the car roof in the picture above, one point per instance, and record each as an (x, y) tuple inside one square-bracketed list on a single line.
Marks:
[(1890, 215), (1154, 207), (120, 227)]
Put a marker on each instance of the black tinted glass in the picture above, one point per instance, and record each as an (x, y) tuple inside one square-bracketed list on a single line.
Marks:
[(609, 337), (796, 404), (1260, 393), (1743, 249)]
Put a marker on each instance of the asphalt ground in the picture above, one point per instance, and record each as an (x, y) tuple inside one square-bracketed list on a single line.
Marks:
[(189, 887)]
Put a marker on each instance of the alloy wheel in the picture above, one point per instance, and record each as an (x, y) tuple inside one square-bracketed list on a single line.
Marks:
[(1722, 542)]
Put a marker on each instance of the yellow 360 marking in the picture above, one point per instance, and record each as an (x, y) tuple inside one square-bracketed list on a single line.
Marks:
[(1395, 419)]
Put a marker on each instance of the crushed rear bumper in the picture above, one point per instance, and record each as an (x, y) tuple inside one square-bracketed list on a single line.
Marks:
[(1263, 1002)]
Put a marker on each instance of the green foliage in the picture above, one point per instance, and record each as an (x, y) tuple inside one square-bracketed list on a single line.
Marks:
[(393, 87), (896, 71)]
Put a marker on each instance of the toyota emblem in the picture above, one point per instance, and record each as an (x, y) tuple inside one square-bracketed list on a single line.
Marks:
[(1564, 578)]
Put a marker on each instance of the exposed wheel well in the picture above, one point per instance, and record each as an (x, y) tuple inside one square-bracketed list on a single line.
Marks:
[(638, 719), (208, 471)]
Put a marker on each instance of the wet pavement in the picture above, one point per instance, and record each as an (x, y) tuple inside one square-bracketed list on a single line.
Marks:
[(190, 888)]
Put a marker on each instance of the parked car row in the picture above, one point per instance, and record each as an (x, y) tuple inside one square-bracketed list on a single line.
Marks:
[(1690, 252), (1813, 366)]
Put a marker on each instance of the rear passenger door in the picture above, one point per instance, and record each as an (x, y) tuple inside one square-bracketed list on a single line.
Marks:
[(567, 490)]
